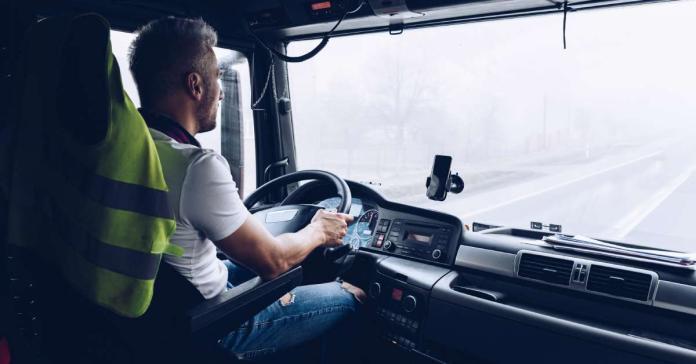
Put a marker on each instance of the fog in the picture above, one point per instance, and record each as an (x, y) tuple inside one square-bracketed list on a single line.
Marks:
[(484, 91)]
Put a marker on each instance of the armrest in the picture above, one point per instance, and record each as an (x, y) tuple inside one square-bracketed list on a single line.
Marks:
[(216, 317)]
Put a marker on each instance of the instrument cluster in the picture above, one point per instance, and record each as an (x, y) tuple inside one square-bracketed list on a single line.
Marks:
[(365, 215)]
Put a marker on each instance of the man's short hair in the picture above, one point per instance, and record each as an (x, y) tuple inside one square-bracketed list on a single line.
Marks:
[(165, 50)]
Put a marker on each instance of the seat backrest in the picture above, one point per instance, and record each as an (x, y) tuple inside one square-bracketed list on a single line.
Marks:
[(178, 325), (91, 180), (54, 301)]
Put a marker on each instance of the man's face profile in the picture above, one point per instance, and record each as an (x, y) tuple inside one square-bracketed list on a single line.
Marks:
[(208, 108)]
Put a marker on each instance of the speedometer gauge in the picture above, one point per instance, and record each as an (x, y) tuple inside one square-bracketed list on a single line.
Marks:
[(363, 229)]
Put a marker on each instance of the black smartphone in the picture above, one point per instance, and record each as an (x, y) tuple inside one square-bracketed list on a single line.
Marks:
[(437, 187)]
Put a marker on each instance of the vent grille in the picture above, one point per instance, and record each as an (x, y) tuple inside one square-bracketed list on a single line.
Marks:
[(619, 282), (547, 269)]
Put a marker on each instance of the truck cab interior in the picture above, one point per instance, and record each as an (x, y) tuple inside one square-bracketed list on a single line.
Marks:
[(520, 173)]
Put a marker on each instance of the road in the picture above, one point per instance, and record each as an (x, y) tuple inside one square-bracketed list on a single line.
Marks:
[(644, 195)]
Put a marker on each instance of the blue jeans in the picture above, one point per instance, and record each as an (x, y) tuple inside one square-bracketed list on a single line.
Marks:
[(311, 311)]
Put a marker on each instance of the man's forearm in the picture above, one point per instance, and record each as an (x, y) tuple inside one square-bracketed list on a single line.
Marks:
[(254, 247), (293, 248)]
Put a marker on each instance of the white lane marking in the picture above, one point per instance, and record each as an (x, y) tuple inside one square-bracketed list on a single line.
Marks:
[(563, 184), (638, 214)]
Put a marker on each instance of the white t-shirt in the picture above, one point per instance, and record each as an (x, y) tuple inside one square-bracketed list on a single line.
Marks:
[(207, 207)]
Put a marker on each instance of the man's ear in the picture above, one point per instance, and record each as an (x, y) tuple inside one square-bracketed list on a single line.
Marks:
[(194, 85)]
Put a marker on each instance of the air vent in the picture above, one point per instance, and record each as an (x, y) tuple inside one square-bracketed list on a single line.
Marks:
[(543, 268), (619, 282)]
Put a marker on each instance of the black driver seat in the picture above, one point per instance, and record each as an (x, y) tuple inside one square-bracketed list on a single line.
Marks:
[(178, 327)]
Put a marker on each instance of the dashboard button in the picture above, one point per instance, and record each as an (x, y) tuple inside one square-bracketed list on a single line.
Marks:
[(409, 303), (437, 253), (379, 238), (388, 245)]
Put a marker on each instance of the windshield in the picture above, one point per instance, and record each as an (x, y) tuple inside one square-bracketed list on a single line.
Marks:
[(598, 138)]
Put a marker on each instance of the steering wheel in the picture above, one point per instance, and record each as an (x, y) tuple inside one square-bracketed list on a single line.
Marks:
[(288, 218)]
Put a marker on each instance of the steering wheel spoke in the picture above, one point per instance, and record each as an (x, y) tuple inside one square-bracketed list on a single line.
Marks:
[(287, 218)]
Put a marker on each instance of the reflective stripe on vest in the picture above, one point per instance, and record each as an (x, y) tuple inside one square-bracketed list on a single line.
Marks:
[(112, 193), (125, 261)]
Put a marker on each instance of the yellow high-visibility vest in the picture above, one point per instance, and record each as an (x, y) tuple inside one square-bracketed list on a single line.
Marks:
[(90, 198)]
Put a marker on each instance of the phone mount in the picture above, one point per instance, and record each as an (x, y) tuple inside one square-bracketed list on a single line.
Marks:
[(454, 184), (441, 180)]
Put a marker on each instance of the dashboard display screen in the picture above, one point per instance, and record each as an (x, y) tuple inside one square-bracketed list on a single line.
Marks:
[(355, 210), (419, 238)]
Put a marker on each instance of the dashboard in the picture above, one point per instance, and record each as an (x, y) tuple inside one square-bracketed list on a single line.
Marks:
[(503, 284), (389, 228)]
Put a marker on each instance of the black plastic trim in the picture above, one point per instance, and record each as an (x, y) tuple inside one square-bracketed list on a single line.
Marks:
[(214, 317), (657, 351)]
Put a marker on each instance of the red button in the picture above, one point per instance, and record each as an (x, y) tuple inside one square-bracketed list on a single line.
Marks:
[(321, 6)]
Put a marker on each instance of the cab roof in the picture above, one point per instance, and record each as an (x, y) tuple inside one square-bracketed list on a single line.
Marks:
[(286, 20)]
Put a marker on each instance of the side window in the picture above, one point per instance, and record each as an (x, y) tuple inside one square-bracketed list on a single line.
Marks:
[(234, 115)]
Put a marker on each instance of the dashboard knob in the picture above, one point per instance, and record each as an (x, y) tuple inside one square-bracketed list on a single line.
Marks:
[(437, 253), (375, 290), (409, 303), (388, 245)]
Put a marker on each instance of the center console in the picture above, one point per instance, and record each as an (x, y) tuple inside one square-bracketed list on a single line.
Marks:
[(416, 237), (399, 292), (403, 252)]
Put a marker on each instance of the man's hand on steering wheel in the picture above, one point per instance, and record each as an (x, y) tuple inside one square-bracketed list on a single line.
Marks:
[(321, 264), (332, 225)]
